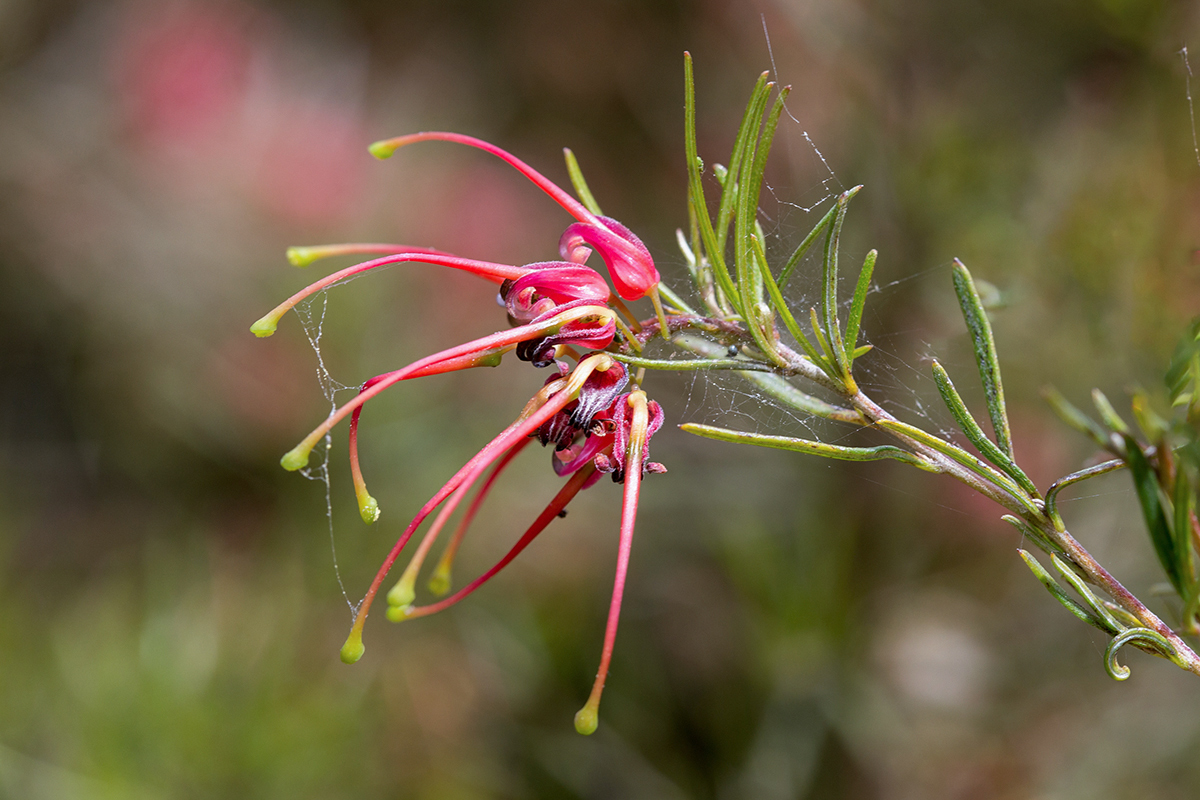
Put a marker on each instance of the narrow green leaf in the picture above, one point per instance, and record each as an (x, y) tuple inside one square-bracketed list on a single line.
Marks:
[(1036, 536), (861, 350), (1108, 414), (1123, 617), (748, 199), (1059, 594), (781, 306), (674, 299), (799, 252), (834, 451), (1077, 583), (975, 465), (1071, 415), (715, 251), (581, 187), (1145, 482), (774, 385), (1152, 425), (743, 226), (1144, 639), (985, 353), (1184, 370), (1075, 477), (829, 279), (822, 340), (691, 364), (1182, 500), (860, 301), (748, 129), (975, 434)]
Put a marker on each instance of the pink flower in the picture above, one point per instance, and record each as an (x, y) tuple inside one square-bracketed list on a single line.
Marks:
[(559, 311)]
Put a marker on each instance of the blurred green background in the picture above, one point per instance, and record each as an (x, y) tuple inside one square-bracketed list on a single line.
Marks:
[(170, 613)]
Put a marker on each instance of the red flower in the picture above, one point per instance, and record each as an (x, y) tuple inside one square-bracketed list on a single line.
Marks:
[(556, 309)]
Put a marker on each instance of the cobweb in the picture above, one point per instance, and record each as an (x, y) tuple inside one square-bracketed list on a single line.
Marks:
[(312, 317), (900, 381)]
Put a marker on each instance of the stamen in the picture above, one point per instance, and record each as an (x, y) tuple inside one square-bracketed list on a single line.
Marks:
[(496, 273), (587, 719), (368, 508), (439, 582), (303, 256), (297, 457), (572, 487), (471, 471), (386, 148)]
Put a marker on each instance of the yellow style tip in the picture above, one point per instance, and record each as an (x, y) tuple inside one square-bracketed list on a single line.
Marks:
[(382, 150), (402, 594), (587, 720), (439, 582), (301, 256), (265, 326), (296, 458), (353, 649), (398, 613), (369, 509)]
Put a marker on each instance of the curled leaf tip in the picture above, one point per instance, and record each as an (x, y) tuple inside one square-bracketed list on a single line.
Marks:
[(296, 458), (1156, 640), (265, 326), (353, 649), (587, 719), (382, 150), (369, 509), (301, 256)]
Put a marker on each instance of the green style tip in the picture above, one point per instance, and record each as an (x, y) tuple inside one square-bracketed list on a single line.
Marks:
[(265, 326), (439, 582), (369, 509), (402, 594), (301, 256), (398, 613), (296, 458), (353, 649), (587, 720), (382, 150)]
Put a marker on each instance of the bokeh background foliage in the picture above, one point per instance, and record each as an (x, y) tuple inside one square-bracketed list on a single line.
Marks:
[(169, 610)]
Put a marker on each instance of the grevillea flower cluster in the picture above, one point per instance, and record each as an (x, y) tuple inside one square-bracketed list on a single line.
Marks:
[(562, 316)]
